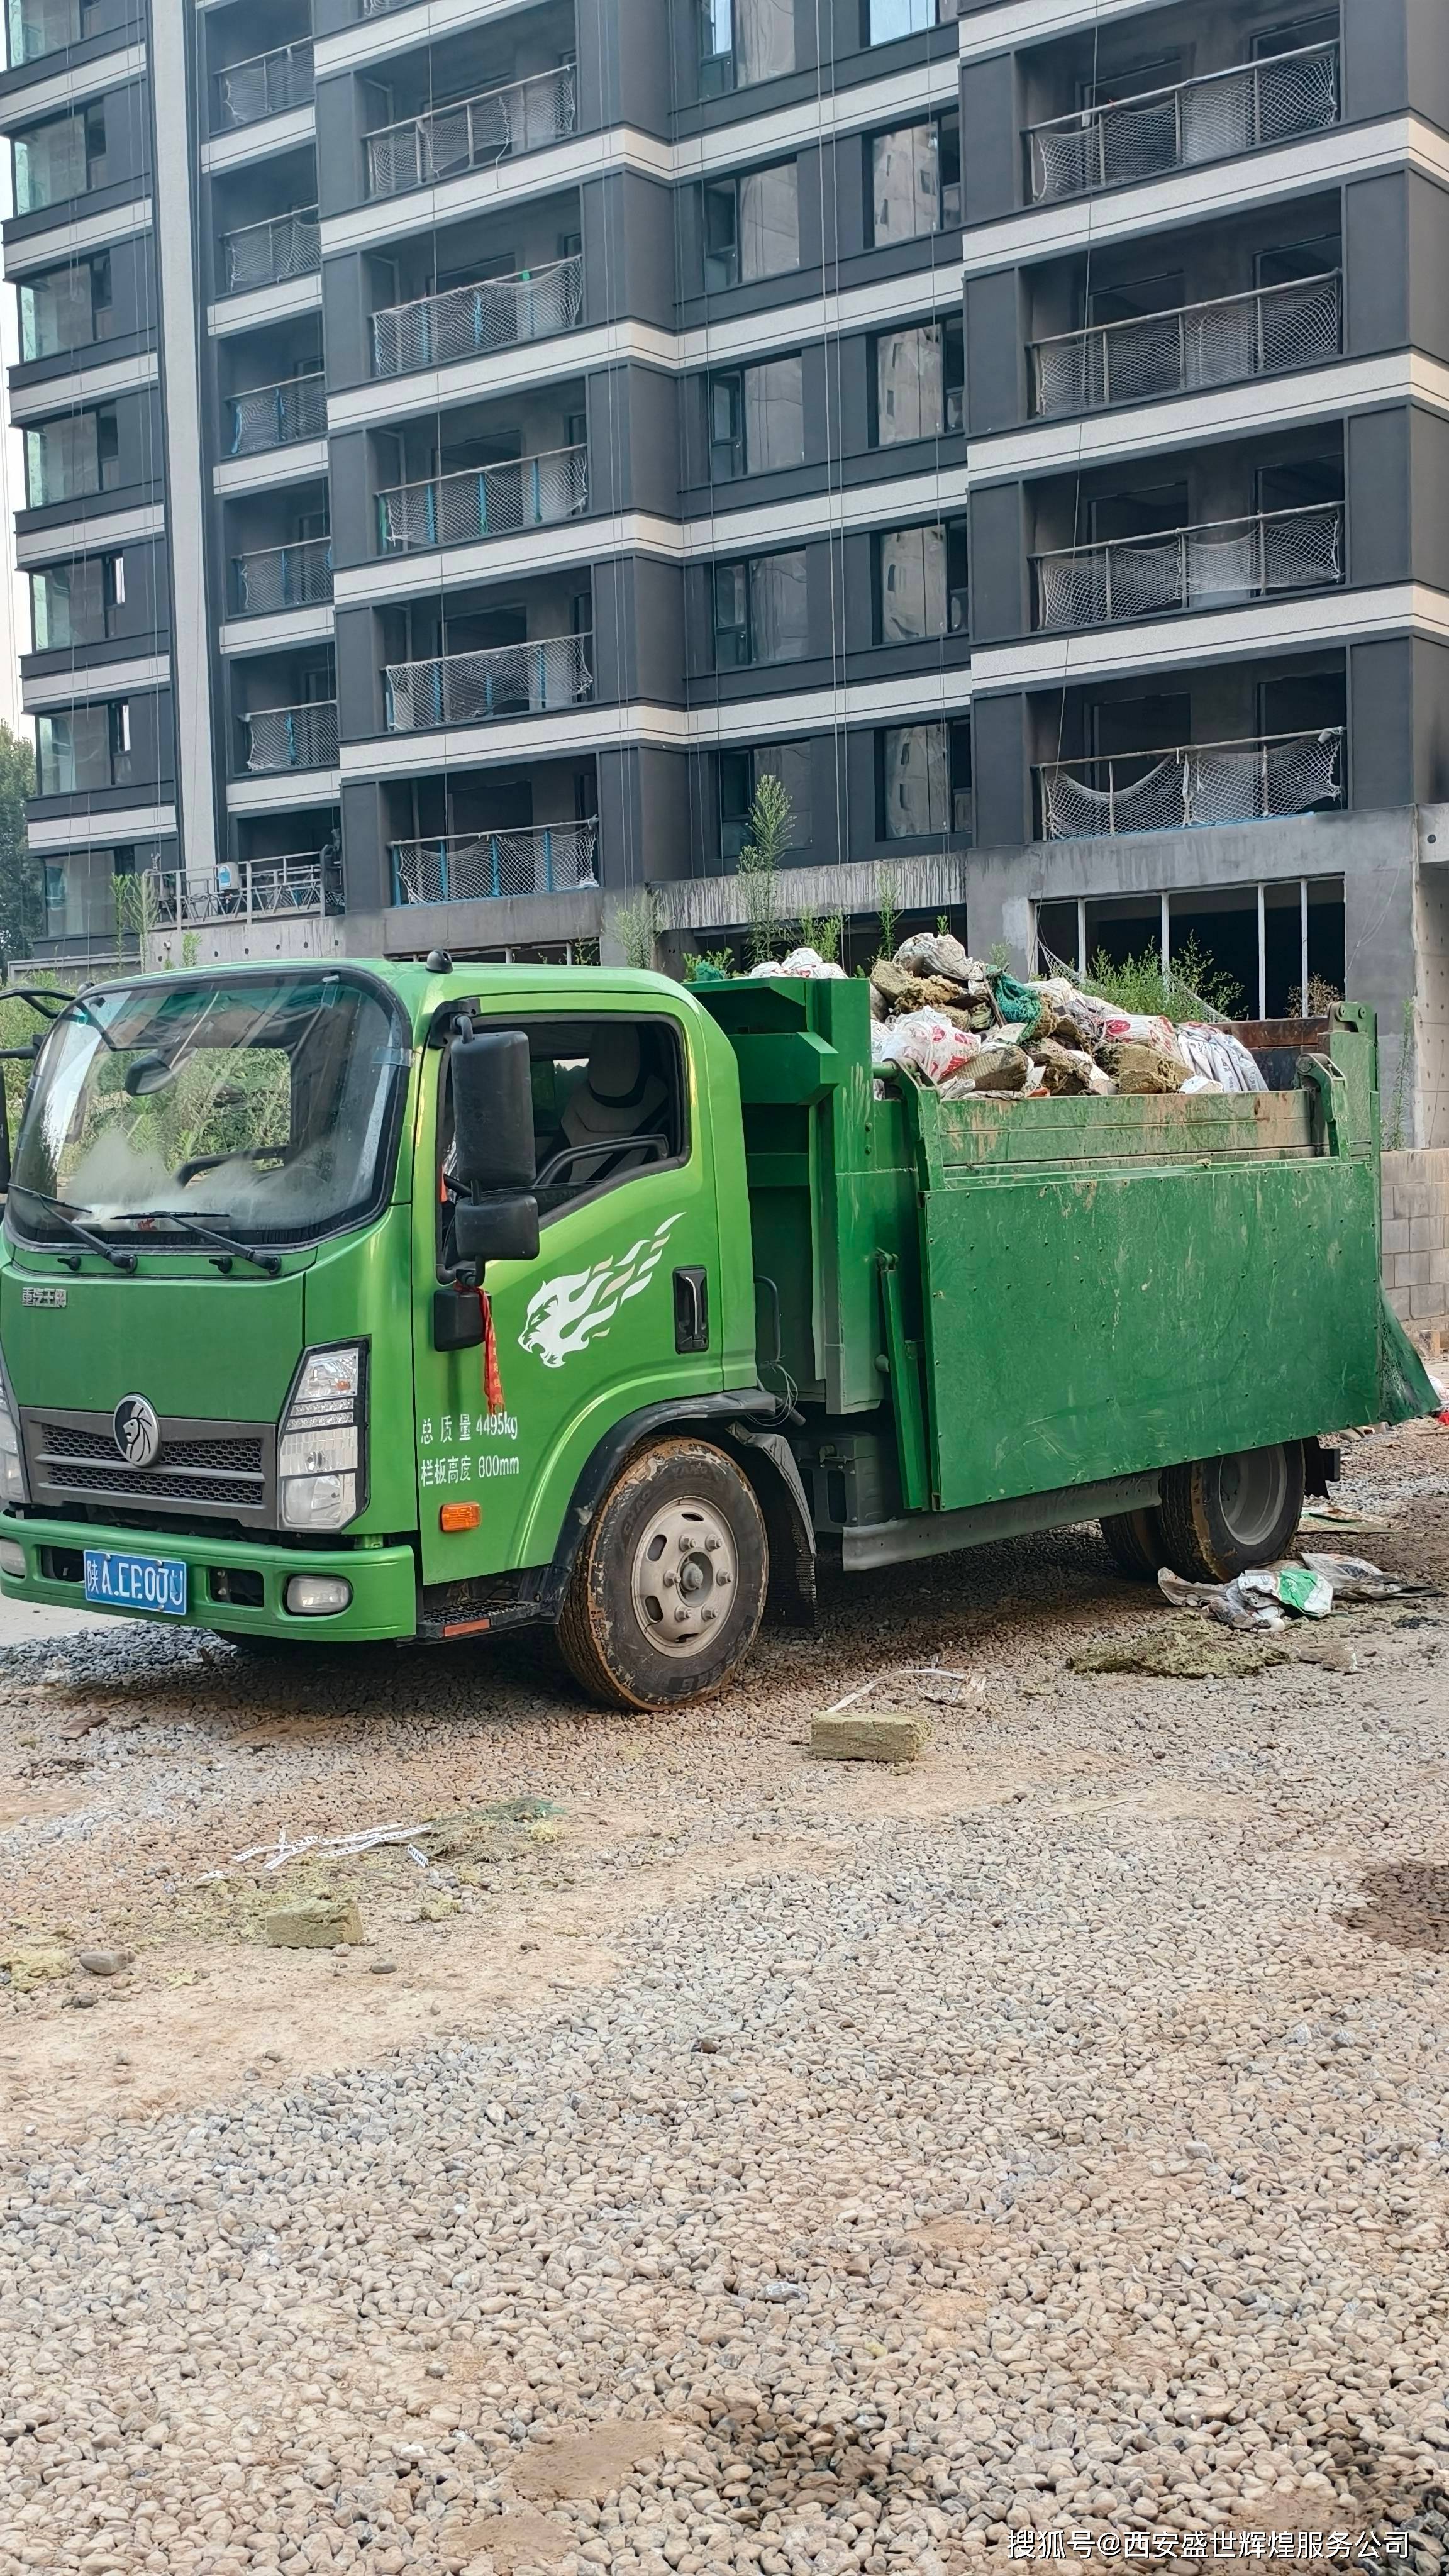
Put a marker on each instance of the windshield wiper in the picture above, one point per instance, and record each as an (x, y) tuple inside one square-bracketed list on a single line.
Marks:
[(92, 1242), (270, 1262)]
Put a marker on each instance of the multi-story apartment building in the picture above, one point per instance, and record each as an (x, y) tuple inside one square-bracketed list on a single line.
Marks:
[(468, 442)]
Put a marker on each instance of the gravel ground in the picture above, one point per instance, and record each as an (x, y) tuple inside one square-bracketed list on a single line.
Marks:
[(739, 2163)]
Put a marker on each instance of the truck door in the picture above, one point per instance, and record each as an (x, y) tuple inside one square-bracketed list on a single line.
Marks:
[(619, 1310)]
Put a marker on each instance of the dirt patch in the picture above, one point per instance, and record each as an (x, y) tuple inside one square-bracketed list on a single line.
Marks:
[(1407, 1906), (512, 2541), (593, 2464)]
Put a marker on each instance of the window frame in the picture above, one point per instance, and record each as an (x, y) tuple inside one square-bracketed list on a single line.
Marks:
[(732, 381), (957, 731), (936, 124), (955, 535), (526, 1022), (751, 755), (727, 191), (744, 568), (953, 347)]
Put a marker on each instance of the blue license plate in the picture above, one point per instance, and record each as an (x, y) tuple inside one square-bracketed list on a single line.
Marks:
[(116, 1580)]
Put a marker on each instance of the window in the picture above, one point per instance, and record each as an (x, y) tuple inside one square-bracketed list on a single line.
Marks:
[(890, 19), (83, 748), (75, 603), (1319, 28), (80, 890), (760, 611), (66, 308), (756, 419), (925, 780), (608, 1101), (60, 159), (68, 458), (915, 180), (740, 773), (744, 41), (920, 589), (1265, 942), (751, 226), (1295, 260), (36, 27), (920, 375)]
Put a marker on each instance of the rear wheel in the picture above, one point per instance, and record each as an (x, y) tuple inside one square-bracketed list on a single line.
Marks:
[(1136, 1544), (1221, 1515), (669, 1585)]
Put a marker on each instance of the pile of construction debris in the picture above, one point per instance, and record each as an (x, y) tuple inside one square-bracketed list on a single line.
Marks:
[(942, 1017)]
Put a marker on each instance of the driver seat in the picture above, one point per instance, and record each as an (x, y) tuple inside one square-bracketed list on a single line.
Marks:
[(617, 1099)]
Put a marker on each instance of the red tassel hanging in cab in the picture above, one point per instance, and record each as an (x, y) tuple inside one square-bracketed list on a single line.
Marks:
[(492, 1375)]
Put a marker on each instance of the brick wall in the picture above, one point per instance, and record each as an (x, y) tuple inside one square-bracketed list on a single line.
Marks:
[(1416, 1234)]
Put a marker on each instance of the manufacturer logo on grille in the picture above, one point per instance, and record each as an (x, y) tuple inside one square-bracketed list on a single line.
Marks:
[(136, 1431), (42, 1296)]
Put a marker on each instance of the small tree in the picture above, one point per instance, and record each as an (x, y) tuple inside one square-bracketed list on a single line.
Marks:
[(636, 927), (888, 905), (22, 885), (771, 832)]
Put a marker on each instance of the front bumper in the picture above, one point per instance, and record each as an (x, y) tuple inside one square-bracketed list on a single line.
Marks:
[(384, 1581)]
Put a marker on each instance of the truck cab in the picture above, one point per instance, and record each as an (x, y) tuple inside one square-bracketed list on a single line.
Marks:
[(248, 1382)]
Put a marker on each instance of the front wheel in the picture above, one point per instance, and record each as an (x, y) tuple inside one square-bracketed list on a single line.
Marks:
[(1221, 1515), (668, 1588)]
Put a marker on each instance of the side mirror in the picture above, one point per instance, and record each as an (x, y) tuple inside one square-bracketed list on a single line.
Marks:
[(502, 1227), (492, 1114)]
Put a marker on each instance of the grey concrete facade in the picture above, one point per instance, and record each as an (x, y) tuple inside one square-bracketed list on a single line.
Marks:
[(466, 447)]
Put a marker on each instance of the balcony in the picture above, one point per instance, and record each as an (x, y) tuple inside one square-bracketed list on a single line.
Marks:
[(1197, 785), (1262, 333), (296, 576), (277, 415), (1204, 567), (472, 134), (474, 321), (1212, 119), (550, 858), (241, 890), (264, 85), (493, 501), (273, 252), (291, 737), (475, 688)]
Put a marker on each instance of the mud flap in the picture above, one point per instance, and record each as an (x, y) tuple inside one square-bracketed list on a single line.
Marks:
[(1406, 1390)]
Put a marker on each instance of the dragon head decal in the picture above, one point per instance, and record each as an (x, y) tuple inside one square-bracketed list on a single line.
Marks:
[(565, 1313)]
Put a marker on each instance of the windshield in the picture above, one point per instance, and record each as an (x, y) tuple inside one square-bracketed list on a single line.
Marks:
[(260, 1108)]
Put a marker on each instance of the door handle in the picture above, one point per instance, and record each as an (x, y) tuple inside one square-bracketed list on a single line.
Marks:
[(691, 1310)]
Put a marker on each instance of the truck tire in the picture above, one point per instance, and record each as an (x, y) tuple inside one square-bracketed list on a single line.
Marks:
[(669, 1585), (1221, 1515), (1136, 1543)]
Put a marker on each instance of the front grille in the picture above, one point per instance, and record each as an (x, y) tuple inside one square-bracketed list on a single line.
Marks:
[(211, 1466), (232, 1458)]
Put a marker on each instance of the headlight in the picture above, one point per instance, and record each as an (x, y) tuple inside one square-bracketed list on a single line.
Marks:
[(12, 1459), (319, 1453)]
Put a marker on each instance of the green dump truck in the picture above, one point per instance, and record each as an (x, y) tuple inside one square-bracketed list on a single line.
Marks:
[(359, 1302)]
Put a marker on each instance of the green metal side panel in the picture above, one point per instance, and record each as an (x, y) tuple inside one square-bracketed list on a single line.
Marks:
[(1089, 1325)]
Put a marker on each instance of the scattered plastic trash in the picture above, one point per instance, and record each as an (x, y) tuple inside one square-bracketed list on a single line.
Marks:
[(1265, 1595), (1218, 1055), (896, 1672), (1260, 1598), (323, 1847), (801, 961), (925, 1043), (1354, 1579), (1321, 1515)]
